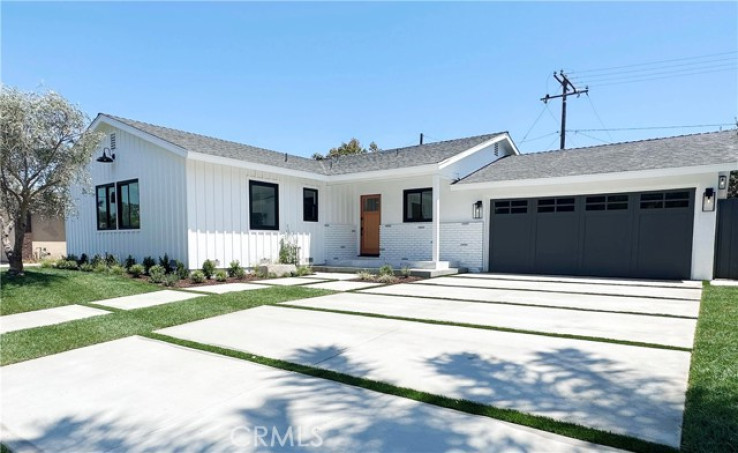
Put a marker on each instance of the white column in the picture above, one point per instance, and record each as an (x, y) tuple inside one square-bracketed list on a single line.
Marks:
[(436, 219)]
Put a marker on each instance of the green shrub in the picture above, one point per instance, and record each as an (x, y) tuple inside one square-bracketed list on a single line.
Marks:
[(148, 263), (67, 264), (386, 278), (272, 275), (221, 275), (156, 274), (386, 270), (111, 260), (171, 280), (304, 270), (100, 267), (86, 267), (166, 263), (71, 257), (83, 259), (366, 276), (197, 277), (96, 259), (405, 271), (181, 270), (48, 263), (137, 270), (234, 268), (288, 251), (116, 270), (130, 261), (208, 269)]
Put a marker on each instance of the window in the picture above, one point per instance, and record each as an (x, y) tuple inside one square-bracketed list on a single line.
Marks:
[(263, 205), (309, 205), (106, 209), (418, 205), (661, 200), (607, 202), (129, 209), (511, 207), (556, 205)]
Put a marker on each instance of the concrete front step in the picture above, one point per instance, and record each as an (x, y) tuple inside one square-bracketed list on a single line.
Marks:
[(415, 272), (374, 263)]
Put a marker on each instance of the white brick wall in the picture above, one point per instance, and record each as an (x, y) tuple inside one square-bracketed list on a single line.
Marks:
[(463, 243), (406, 241), (340, 242)]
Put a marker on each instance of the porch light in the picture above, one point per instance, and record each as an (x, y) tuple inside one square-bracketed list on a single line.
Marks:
[(477, 210), (708, 200), (105, 159), (722, 182)]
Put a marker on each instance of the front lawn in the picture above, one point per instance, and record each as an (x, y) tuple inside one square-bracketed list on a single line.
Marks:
[(46, 288), (711, 414)]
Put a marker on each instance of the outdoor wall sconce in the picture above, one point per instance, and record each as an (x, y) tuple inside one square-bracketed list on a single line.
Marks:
[(708, 200), (477, 210), (105, 159), (722, 182)]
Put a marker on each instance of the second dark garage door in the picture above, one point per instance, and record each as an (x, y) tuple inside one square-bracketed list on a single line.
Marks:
[(641, 235)]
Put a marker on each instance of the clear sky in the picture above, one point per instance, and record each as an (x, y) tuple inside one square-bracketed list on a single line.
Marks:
[(302, 77)]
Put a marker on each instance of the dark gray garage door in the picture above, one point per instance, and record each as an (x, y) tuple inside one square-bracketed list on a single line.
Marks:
[(643, 235)]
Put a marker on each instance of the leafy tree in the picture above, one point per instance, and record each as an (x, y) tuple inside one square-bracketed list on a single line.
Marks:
[(44, 150), (733, 187), (352, 147)]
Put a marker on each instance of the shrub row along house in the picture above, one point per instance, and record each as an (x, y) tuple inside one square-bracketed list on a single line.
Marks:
[(641, 209)]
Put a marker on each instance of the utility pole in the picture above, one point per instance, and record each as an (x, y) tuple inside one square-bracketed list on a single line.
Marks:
[(567, 89)]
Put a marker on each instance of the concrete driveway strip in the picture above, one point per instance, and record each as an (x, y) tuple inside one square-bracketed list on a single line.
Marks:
[(622, 304), (565, 287), (47, 317), (147, 299), (677, 332), (624, 389), (587, 280), (137, 394), (226, 288)]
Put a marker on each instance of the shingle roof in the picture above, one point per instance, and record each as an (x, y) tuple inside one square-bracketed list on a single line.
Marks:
[(411, 156), (670, 152)]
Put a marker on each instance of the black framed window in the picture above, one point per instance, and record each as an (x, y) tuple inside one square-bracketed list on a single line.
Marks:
[(556, 205), (606, 202), (661, 200), (511, 207), (129, 208), (418, 205), (263, 205), (106, 208), (309, 205)]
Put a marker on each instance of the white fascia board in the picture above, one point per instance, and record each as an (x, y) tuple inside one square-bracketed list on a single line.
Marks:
[(601, 177), (462, 155), (254, 166), (139, 133), (386, 174)]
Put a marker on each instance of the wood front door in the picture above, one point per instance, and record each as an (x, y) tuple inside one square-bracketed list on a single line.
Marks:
[(370, 219)]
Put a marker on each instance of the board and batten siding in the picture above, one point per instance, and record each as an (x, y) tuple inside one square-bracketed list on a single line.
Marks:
[(161, 178), (218, 216)]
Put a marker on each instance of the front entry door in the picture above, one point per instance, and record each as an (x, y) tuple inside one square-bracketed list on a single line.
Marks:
[(370, 220)]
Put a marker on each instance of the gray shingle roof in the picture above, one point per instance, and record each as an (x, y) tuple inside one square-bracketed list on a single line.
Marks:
[(411, 156), (671, 152)]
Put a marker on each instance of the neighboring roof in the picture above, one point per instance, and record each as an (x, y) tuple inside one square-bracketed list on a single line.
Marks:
[(429, 153), (659, 153)]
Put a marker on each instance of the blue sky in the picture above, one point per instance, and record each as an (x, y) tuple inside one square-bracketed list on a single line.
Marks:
[(302, 77)]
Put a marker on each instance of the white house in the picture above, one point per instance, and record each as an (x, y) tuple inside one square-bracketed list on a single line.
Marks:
[(631, 209)]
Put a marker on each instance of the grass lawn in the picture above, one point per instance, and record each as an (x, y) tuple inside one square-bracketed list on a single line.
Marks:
[(711, 415), (47, 288)]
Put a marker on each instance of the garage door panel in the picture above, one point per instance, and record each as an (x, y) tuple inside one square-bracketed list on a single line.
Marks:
[(512, 243), (606, 244), (557, 243), (662, 252)]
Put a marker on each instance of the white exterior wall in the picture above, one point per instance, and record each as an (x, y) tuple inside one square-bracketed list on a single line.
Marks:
[(458, 204), (161, 179), (218, 216)]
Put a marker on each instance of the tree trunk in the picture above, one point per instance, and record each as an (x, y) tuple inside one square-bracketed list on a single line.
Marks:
[(15, 254)]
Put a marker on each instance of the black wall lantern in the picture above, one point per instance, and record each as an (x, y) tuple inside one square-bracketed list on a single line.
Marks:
[(722, 182), (477, 210), (708, 200), (105, 158)]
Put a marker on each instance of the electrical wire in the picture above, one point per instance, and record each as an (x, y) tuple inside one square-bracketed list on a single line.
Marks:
[(602, 123), (534, 123), (676, 67), (593, 138), (618, 77), (652, 63), (647, 128), (539, 137), (599, 85)]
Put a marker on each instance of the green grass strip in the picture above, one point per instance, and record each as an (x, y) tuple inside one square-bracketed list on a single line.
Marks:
[(711, 413), (534, 421), (486, 327), (29, 344)]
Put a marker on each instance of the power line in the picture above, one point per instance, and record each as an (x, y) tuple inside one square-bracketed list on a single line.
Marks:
[(593, 138), (656, 62), (598, 115), (614, 78), (567, 89), (615, 129), (539, 137), (535, 122), (676, 67), (647, 79)]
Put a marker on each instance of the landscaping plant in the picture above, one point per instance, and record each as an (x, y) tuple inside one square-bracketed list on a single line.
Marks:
[(137, 270), (235, 269), (181, 270), (386, 270), (171, 279), (208, 269), (221, 275), (197, 277), (86, 267), (148, 263), (130, 261), (156, 274), (166, 263)]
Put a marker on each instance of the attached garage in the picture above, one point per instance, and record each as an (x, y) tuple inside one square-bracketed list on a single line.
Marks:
[(642, 234)]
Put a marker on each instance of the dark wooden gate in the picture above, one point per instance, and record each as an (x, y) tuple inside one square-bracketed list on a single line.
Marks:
[(726, 245)]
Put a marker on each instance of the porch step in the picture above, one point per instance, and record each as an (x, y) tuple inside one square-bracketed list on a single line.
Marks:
[(375, 263), (415, 272)]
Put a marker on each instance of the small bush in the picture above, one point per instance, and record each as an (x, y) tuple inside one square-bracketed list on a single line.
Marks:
[(96, 259), (197, 277), (386, 270), (385, 278), (365, 276), (67, 264), (272, 275), (156, 274), (111, 260), (86, 267), (208, 269), (137, 270), (304, 270), (405, 271), (166, 263), (181, 270), (148, 263), (83, 259), (116, 270), (233, 268), (130, 261), (221, 275), (289, 251), (48, 263), (171, 280), (100, 267), (71, 257)]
